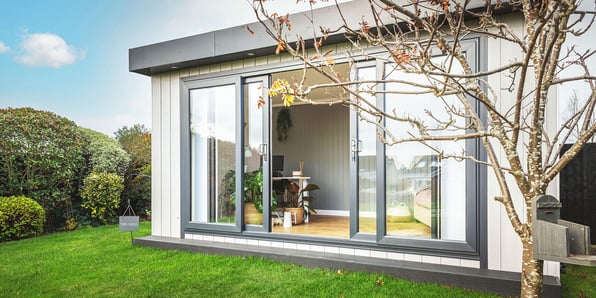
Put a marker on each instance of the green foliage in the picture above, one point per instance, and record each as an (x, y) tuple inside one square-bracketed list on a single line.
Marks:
[(136, 140), (20, 217), (41, 157), (227, 195), (104, 154), (101, 196), (253, 191)]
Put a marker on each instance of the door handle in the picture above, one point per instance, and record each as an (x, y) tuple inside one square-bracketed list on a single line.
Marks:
[(263, 151), (354, 149)]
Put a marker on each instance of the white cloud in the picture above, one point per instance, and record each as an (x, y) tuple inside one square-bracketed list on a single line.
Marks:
[(47, 50), (3, 48)]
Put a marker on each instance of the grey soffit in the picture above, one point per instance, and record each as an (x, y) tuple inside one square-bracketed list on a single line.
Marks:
[(232, 43), (237, 43)]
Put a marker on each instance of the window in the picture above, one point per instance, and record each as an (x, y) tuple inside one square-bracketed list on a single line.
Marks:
[(425, 194), (213, 148)]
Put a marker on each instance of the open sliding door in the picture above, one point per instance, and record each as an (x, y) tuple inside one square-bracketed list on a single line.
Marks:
[(256, 132)]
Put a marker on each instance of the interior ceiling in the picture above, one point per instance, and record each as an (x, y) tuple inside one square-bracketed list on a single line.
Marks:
[(313, 77)]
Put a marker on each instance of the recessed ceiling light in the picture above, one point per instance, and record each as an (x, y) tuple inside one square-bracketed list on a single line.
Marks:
[(250, 54)]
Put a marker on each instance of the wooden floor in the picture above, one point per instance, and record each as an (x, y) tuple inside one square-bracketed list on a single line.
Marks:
[(339, 227)]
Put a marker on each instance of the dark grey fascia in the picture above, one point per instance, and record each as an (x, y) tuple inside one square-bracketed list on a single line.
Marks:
[(235, 43), (238, 43)]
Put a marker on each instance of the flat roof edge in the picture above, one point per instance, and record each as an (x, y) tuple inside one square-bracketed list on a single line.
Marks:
[(227, 44), (238, 42)]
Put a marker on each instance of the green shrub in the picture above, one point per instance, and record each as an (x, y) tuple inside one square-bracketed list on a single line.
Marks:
[(41, 157), (101, 196), (136, 140), (20, 217), (104, 154)]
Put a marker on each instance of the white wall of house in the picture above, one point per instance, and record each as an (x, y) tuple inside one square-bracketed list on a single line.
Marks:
[(504, 247)]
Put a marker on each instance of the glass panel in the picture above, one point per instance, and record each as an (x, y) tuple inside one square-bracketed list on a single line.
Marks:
[(425, 195), (367, 165), (253, 165), (212, 126)]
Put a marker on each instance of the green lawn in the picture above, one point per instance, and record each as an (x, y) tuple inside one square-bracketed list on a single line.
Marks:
[(579, 281), (96, 262)]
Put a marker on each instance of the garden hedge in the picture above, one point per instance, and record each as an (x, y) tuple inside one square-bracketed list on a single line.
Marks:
[(20, 217)]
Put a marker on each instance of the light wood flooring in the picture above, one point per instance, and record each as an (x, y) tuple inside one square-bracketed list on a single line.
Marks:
[(339, 227)]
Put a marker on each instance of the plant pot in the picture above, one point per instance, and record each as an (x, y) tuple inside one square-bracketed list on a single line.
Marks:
[(251, 215), (297, 215)]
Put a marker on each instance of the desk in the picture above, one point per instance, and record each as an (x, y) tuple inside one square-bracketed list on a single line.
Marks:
[(300, 180)]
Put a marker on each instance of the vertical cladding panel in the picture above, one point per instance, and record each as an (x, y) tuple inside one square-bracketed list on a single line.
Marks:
[(166, 154), (249, 62), (156, 157), (193, 71), (237, 64), (175, 151), (510, 241), (504, 245), (261, 60), (494, 208)]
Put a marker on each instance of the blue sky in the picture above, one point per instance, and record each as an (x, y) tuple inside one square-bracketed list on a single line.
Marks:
[(71, 57)]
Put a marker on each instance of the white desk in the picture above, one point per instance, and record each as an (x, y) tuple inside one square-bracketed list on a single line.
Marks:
[(301, 180)]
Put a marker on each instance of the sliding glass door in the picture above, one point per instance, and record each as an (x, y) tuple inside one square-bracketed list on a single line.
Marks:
[(257, 190), (226, 121)]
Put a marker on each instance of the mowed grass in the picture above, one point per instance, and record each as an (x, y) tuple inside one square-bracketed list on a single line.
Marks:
[(101, 262), (578, 281)]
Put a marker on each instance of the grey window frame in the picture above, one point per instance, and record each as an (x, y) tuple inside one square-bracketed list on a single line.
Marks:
[(188, 84), (475, 246)]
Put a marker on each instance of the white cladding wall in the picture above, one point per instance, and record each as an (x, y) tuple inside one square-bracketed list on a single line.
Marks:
[(504, 247)]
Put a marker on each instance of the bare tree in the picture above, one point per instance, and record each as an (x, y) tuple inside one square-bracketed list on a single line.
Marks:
[(574, 106), (422, 47)]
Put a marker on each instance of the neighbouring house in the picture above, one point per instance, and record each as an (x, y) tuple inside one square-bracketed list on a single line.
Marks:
[(394, 208)]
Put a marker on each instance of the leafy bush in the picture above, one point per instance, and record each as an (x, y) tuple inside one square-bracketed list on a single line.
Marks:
[(41, 157), (136, 140), (101, 196), (20, 217), (104, 154)]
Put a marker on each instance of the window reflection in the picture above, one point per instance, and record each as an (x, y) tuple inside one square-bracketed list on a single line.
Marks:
[(213, 154), (425, 195)]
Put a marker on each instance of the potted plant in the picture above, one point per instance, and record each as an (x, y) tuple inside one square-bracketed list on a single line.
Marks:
[(298, 203)]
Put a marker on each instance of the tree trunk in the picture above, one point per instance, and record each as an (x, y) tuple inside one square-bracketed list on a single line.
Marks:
[(531, 275)]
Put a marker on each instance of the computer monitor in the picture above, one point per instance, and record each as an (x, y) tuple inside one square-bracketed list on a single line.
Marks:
[(277, 165)]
